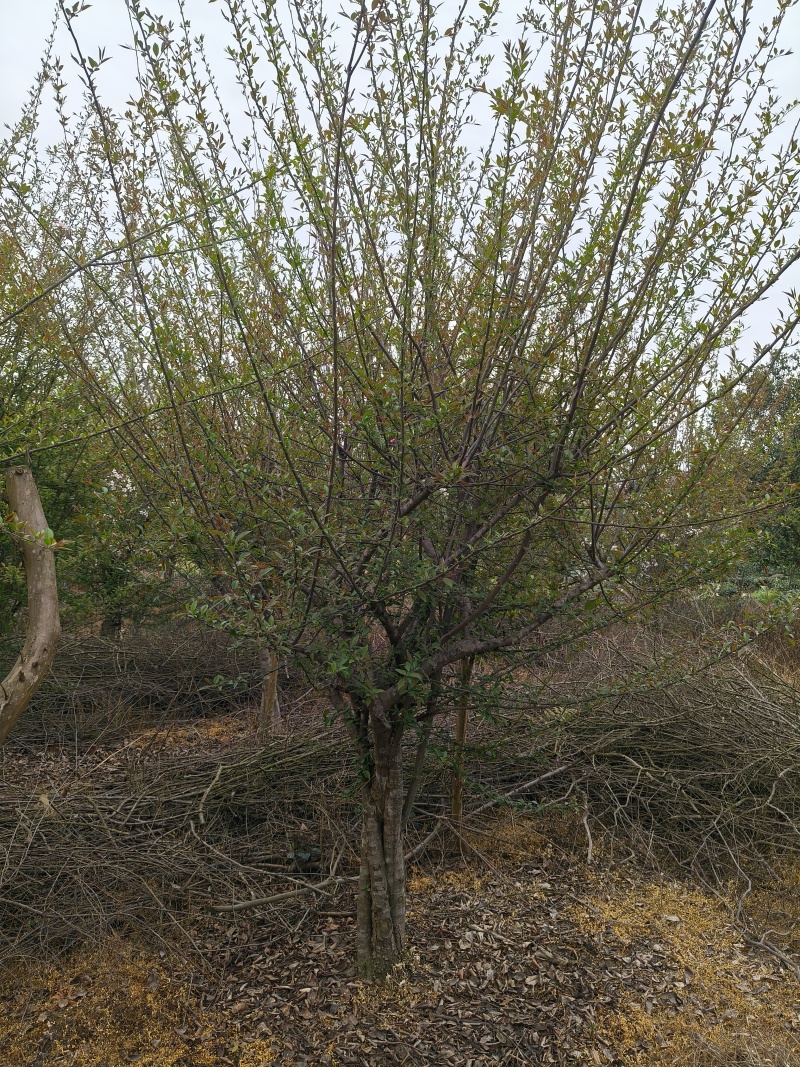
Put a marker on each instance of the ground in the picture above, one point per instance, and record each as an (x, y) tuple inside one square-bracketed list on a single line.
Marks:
[(519, 953)]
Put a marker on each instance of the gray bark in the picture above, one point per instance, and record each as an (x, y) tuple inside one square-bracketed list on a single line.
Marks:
[(270, 719), (462, 711), (380, 937), (422, 747), (44, 625)]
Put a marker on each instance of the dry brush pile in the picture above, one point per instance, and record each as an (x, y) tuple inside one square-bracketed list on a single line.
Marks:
[(100, 688), (173, 823), (145, 839), (705, 773)]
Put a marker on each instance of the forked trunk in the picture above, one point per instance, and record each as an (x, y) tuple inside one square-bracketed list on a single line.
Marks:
[(381, 932)]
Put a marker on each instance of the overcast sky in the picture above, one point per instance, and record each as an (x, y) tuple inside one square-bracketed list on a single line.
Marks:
[(26, 24)]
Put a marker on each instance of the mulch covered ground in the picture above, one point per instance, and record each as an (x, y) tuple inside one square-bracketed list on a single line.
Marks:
[(518, 954)]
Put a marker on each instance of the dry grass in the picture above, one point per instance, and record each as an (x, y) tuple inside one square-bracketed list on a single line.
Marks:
[(110, 1006), (702, 997), (717, 999), (743, 1051)]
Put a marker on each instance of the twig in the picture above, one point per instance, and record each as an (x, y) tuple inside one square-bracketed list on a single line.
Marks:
[(259, 902), (200, 812), (516, 790)]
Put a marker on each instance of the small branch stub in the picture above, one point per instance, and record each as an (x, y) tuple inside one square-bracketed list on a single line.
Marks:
[(44, 625)]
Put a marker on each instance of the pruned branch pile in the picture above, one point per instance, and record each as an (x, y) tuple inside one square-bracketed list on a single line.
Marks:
[(99, 687), (704, 774)]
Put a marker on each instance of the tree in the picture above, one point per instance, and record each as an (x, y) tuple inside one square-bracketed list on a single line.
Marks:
[(427, 391), (772, 565), (50, 228), (44, 624)]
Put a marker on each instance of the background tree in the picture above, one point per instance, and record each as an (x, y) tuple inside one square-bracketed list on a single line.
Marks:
[(51, 229), (772, 435), (43, 623)]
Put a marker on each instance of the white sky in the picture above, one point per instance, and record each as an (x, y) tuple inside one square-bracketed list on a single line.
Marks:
[(25, 26)]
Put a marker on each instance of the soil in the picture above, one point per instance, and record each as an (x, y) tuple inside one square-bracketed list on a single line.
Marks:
[(518, 953)]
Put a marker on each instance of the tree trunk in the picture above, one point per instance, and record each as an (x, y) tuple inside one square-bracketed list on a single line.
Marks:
[(381, 932), (457, 792), (416, 774), (270, 721), (431, 710), (111, 626), (44, 626)]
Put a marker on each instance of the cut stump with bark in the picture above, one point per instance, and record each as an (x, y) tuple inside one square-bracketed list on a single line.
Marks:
[(44, 624)]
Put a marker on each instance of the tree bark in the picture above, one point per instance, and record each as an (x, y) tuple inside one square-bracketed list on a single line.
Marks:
[(381, 932), (419, 766), (426, 725), (111, 627), (457, 791), (44, 625), (270, 721)]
